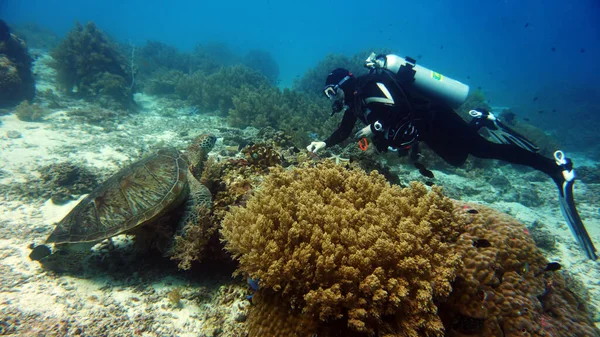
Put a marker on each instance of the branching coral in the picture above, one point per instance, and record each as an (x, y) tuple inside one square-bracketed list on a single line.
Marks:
[(86, 60), (214, 91), (297, 114), (342, 245), (338, 252)]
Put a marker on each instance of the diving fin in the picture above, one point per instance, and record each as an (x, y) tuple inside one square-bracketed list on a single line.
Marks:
[(499, 132), (567, 206)]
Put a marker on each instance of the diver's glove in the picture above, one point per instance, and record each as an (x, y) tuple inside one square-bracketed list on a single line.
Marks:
[(315, 146), (567, 205), (364, 132)]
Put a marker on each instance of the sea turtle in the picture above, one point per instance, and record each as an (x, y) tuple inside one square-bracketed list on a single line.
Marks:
[(136, 195)]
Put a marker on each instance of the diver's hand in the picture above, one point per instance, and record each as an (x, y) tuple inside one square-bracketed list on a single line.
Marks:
[(364, 132), (315, 146)]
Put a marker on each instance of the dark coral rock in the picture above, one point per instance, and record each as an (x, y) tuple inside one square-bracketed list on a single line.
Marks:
[(16, 78), (589, 175), (543, 238), (66, 179)]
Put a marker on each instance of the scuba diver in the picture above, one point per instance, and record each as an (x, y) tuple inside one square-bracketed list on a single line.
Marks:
[(402, 104)]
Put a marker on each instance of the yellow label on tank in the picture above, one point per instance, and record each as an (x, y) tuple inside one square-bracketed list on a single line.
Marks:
[(437, 76)]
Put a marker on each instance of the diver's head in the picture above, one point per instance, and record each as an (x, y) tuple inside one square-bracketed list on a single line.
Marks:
[(339, 88)]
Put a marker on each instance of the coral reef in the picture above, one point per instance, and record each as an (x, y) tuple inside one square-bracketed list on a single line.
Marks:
[(36, 36), (16, 78), (158, 56), (547, 143), (264, 62), (505, 288), (297, 114), (163, 82), (338, 252), (89, 65), (475, 100), (313, 80), (214, 91), (343, 246), (261, 154)]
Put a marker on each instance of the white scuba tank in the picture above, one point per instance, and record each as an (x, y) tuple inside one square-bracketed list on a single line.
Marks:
[(426, 81)]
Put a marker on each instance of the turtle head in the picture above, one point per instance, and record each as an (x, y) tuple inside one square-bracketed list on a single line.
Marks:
[(197, 152)]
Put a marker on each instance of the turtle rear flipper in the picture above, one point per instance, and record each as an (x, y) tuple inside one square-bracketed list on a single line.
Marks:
[(39, 252)]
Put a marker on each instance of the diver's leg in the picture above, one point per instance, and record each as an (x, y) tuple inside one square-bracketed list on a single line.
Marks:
[(560, 170), (453, 139)]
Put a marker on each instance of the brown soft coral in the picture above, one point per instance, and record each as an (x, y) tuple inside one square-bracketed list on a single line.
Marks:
[(503, 288), (343, 246)]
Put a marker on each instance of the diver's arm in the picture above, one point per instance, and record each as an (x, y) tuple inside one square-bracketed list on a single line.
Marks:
[(344, 130)]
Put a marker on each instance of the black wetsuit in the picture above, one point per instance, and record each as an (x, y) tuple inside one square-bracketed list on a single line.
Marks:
[(437, 124)]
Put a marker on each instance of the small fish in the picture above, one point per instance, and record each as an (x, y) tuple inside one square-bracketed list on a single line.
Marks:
[(429, 183), (526, 24), (423, 170), (472, 211), (525, 268), (527, 119), (535, 98), (553, 266), (481, 243), (442, 47), (541, 111), (582, 50), (253, 283), (468, 77), (553, 110), (553, 49)]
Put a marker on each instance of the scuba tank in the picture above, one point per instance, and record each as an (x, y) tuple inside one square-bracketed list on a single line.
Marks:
[(423, 80)]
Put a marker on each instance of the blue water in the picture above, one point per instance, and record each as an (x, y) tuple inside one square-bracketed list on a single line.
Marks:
[(504, 47)]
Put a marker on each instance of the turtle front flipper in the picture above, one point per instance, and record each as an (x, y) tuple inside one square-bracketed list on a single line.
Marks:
[(194, 229)]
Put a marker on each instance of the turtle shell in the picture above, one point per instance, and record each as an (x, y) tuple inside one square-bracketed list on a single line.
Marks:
[(132, 197)]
